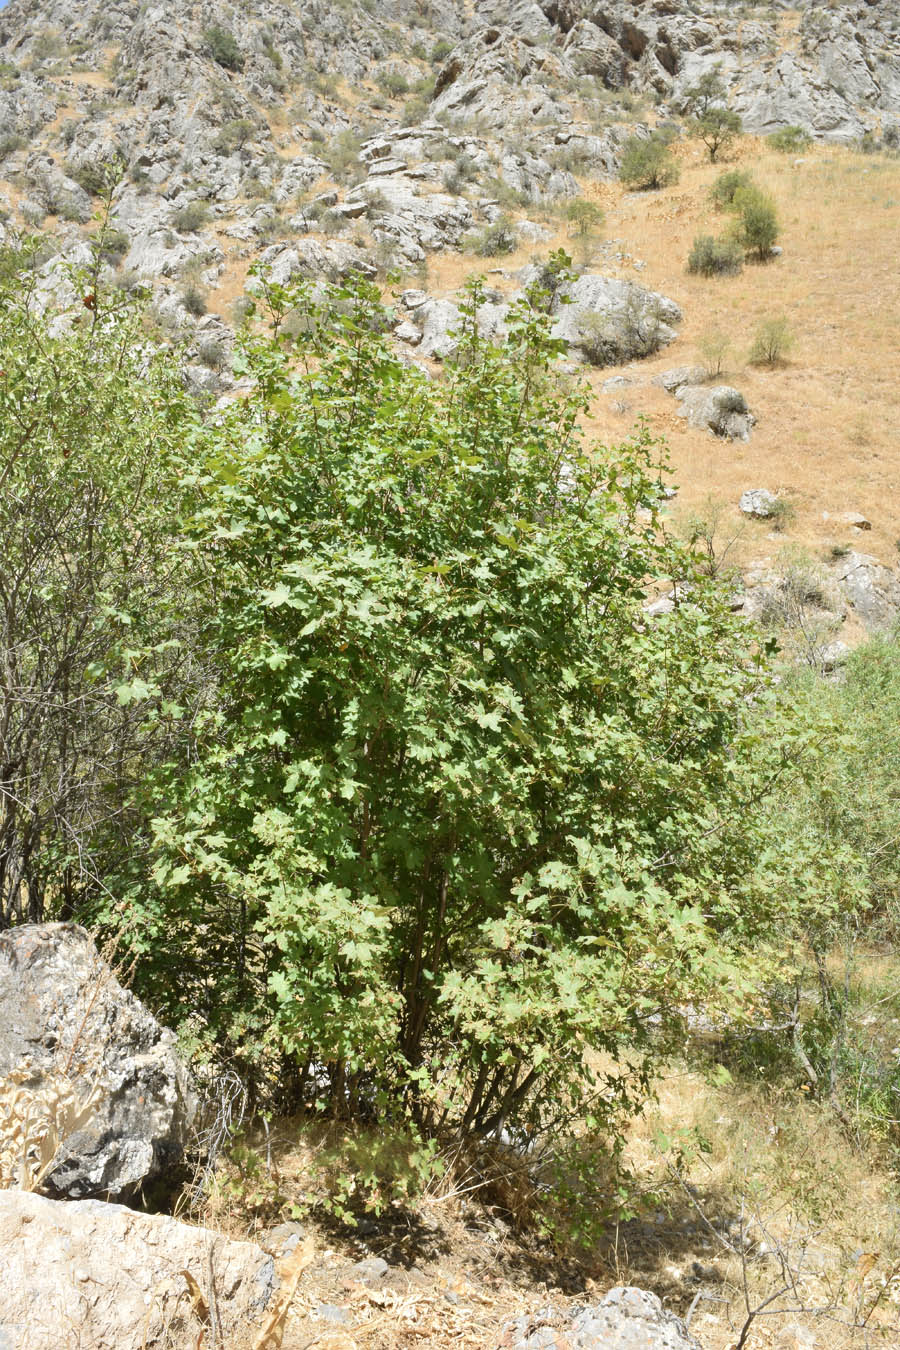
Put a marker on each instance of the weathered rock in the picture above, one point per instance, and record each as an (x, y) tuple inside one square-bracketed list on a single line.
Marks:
[(674, 379), (411, 219), (63, 1012), (93, 1274), (759, 503), (616, 320), (870, 589), (626, 1319), (720, 409)]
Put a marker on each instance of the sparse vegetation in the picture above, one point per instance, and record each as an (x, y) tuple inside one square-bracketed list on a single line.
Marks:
[(710, 257), (648, 163), (234, 135), (772, 342), (222, 46), (194, 301), (191, 217), (727, 185), (494, 240), (791, 140), (342, 156), (715, 350), (392, 83)]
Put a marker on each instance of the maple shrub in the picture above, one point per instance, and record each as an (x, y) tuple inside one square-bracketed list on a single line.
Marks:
[(465, 830)]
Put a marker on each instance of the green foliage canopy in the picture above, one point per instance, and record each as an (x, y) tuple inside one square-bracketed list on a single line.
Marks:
[(91, 424), (648, 162), (462, 813)]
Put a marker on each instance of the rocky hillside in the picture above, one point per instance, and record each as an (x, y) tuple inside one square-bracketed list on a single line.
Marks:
[(395, 138)]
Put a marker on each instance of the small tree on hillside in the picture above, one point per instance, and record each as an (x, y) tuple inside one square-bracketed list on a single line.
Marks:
[(706, 93), (717, 129), (223, 48), (716, 125), (584, 218)]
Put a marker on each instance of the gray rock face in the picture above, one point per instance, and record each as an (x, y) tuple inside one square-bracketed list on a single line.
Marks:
[(623, 319), (673, 379), (870, 589), (409, 219), (721, 410), (63, 1012), (95, 1274), (626, 1319), (619, 318)]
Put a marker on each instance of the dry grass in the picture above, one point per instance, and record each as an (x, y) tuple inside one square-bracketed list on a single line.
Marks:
[(829, 418), (778, 1169)]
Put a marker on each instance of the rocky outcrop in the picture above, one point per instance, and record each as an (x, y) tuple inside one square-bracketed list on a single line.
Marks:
[(85, 1273), (64, 1017), (719, 409), (758, 503), (626, 1319), (602, 319), (870, 589), (612, 321)]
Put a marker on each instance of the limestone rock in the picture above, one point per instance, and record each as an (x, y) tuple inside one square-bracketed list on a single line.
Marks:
[(626, 1319), (720, 409), (674, 379), (62, 1011), (870, 589), (94, 1274), (759, 503), (619, 317)]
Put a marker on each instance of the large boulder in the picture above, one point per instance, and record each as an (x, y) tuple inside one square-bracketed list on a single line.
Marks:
[(613, 321), (93, 1274), (626, 1319), (67, 1025), (432, 325), (720, 409)]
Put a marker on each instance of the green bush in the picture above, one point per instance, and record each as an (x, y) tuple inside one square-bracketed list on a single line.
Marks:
[(94, 178), (10, 143), (342, 156), (727, 185), (440, 51), (92, 494), (494, 240), (392, 83), (756, 228), (234, 135), (647, 162), (852, 799), (459, 814), (190, 217), (223, 48), (194, 301), (790, 140), (710, 257)]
